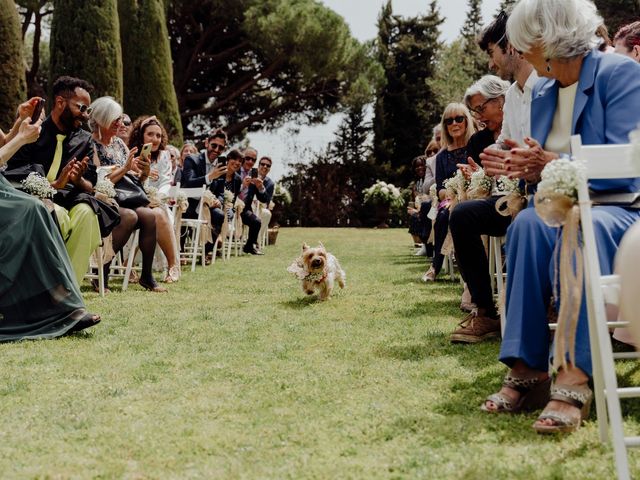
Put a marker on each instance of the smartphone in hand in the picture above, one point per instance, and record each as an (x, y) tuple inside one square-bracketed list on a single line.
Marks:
[(145, 152), (254, 173), (37, 110), (222, 161)]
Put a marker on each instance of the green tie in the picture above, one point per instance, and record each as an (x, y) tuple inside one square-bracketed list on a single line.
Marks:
[(57, 159)]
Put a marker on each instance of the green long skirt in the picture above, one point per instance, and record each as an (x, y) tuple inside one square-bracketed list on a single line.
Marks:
[(39, 297)]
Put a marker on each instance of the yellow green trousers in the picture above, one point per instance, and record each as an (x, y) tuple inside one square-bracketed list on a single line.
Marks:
[(81, 234)]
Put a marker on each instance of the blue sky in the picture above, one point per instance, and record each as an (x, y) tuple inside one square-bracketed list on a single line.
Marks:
[(361, 15)]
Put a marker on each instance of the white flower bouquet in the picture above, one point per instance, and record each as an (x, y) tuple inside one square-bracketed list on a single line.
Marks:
[(382, 193), (558, 190), (480, 185), (182, 202), (38, 186), (456, 187), (507, 185), (228, 198), (105, 187)]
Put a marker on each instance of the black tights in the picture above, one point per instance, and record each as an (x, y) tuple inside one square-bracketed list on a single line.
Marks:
[(146, 242), (144, 219)]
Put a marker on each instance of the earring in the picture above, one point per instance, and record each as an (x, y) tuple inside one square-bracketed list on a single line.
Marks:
[(548, 66)]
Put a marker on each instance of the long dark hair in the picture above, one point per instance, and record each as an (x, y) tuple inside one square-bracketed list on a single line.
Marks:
[(136, 139)]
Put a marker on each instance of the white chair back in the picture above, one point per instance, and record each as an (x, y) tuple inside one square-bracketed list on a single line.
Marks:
[(604, 162)]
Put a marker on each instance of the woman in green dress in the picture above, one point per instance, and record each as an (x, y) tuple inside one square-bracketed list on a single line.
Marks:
[(39, 297)]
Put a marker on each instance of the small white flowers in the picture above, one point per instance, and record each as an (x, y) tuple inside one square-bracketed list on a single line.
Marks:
[(507, 185), (562, 177), (228, 198), (106, 188), (38, 186), (480, 184), (383, 193), (456, 186)]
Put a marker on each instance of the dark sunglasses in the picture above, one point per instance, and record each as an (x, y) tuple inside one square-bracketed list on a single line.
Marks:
[(268, 165), (250, 158), (216, 146), (457, 119), (430, 153), (126, 123), (84, 108)]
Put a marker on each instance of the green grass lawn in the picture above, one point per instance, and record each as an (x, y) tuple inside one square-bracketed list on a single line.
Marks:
[(237, 374)]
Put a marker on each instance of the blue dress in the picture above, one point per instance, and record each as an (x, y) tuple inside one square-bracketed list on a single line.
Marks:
[(605, 111)]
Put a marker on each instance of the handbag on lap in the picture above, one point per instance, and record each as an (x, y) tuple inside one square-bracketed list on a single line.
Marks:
[(130, 193)]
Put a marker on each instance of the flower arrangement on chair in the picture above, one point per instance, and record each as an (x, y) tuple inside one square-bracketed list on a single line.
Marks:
[(384, 197), (38, 186), (556, 203)]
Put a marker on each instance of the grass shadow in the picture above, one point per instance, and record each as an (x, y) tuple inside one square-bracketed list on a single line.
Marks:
[(301, 302)]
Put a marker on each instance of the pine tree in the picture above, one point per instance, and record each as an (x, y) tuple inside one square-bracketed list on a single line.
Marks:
[(470, 30), (617, 13), (505, 6), (406, 108), (12, 80), (85, 43), (148, 74)]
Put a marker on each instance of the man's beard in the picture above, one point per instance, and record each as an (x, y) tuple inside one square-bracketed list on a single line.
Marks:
[(67, 119)]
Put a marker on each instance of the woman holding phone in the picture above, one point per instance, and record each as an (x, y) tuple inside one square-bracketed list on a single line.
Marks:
[(113, 155), (149, 131)]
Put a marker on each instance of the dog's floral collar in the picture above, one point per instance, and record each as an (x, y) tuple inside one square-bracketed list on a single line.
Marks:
[(317, 277), (297, 269)]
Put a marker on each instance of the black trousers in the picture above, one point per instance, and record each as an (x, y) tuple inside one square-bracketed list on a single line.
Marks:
[(440, 230), (251, 220), (467, 223)]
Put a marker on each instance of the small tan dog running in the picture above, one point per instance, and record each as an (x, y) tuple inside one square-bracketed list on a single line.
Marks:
[(318, 270)]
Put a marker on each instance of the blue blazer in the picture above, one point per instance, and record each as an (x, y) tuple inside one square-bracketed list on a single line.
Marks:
[(194, 170), (264, 197), (606, 109)]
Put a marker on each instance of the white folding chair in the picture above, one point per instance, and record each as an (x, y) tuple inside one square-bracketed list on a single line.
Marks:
[(496, 272), (99, 253), (194, 245), (604, 162)]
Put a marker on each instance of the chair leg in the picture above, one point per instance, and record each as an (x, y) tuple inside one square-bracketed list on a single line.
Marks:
[(100, 271), (130, 260)]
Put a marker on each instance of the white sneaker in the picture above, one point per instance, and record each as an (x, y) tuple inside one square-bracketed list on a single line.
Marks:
[(421, 252)]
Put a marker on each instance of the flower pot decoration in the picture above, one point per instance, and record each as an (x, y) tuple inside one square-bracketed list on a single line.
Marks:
[(383, 197)]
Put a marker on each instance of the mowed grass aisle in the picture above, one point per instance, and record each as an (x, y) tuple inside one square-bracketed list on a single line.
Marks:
[(237, 374)]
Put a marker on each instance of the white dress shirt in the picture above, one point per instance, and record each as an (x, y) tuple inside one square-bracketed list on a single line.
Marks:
[(516, 123)]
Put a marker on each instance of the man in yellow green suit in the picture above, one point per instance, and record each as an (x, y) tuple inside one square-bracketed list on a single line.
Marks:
[(64, 151)]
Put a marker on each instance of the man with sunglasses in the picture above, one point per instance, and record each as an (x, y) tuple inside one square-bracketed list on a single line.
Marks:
[(62, 152), (261, 189), (203, 169)]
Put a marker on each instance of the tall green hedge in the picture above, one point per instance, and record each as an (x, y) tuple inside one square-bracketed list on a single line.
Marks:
[(13, 86), (85, 43), (148, 71)]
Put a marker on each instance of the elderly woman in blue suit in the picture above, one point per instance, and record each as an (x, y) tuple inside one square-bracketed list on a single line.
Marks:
[(597, 96)]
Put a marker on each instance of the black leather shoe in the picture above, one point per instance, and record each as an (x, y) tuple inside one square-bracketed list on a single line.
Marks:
[(252, 250)]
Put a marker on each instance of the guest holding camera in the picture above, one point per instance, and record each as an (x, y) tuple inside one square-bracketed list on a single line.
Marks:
[(259, 188), (204, 169)]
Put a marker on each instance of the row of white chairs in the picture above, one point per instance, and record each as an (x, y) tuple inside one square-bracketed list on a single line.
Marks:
[(194, 244)]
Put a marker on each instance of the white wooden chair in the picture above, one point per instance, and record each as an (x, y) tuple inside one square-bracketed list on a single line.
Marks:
[(194, 246), (497, 274), (600, 164)]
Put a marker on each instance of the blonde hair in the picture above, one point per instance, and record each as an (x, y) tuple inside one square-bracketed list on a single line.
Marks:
[(454, 109)]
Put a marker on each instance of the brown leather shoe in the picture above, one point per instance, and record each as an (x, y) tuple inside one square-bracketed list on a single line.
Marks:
[(475, 329)]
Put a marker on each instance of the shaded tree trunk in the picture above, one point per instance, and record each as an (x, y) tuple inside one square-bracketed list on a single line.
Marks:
[(12, 80), (85, 43), (148, 71)]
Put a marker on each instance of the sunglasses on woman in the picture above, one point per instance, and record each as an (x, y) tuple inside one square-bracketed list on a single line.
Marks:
[(457, 119)]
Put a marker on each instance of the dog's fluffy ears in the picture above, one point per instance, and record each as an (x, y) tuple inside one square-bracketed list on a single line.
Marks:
[(305, 246)]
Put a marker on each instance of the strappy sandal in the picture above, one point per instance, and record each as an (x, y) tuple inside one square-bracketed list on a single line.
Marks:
[(579, 396), (534, 394), (173, 276)]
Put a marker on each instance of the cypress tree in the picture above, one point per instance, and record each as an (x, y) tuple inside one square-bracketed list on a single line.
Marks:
[(148, 71), (13, 85), (470, 29), (406, 108), (85, 43)]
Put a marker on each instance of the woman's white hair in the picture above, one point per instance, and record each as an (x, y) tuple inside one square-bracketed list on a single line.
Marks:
[(489, 87), (104, 111), (564, 28), (452, 110)]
